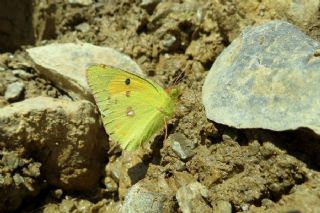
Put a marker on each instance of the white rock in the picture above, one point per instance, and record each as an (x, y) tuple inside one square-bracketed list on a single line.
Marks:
[(66, 64), (14, 91)]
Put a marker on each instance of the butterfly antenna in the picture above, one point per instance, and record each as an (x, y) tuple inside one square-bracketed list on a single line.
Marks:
[(179, 78), (176, 80)]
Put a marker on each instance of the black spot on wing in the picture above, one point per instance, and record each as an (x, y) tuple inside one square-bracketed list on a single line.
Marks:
[(127, 81)]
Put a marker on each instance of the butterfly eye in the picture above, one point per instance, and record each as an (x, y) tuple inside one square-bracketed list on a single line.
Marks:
[(127, 81)]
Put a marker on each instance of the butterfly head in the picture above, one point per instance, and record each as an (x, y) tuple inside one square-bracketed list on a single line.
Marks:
[(174, 93)]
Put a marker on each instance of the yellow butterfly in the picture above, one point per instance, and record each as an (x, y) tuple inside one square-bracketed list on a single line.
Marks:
[(133, 108)]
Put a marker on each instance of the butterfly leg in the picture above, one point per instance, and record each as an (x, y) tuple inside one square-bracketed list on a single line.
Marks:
[(165, 129)]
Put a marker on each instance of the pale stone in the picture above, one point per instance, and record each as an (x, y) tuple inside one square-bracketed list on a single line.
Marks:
[(66, 64), (267, 78)]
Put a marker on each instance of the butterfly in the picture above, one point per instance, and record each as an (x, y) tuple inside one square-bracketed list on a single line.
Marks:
[(132, 108)]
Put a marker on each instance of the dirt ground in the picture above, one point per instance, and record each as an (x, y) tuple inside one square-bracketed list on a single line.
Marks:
[(250, 170)]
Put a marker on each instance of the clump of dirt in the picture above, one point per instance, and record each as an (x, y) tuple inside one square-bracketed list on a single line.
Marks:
[(248, 169), (19, 179)]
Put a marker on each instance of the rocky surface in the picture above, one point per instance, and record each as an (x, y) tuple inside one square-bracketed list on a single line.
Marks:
[(174, 42), (19, 179), (63, 135), (267, 78)]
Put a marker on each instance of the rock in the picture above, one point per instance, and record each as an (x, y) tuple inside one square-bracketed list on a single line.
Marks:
[(81, 205), (222, 207), (190, 198), (66, 137), (267, 78), (110, 185), (22, 74), (81, 2), (147, 196), (182, 146), (14, 91), (19, 179), (169, 41), (302, 13), (66, 64), (113, 168), (149, 5), (83, 27)]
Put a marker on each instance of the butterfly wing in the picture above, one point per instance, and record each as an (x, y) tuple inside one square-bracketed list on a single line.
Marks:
[(132, 108)]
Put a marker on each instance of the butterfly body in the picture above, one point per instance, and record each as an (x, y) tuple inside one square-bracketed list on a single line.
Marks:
[(133, 109)]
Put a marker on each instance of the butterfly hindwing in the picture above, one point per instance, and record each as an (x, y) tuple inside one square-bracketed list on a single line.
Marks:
[(130, 106)]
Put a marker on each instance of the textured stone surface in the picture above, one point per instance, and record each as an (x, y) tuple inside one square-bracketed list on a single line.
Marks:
[(182, 146), (190, 198), (267, 78), (146, 196), (66, 64), (64, 136), (19, 178)]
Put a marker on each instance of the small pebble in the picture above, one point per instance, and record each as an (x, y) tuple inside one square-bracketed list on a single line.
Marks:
[(182, 146), (14, 91), (83, 27), (22, 74), (57, 193)]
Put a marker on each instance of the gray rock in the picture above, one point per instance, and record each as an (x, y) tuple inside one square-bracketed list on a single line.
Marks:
[(83, 27), (147, 196), (14, 91), (182, 146), (190, 198), (65, 136), (66, 64), (267, 78)]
